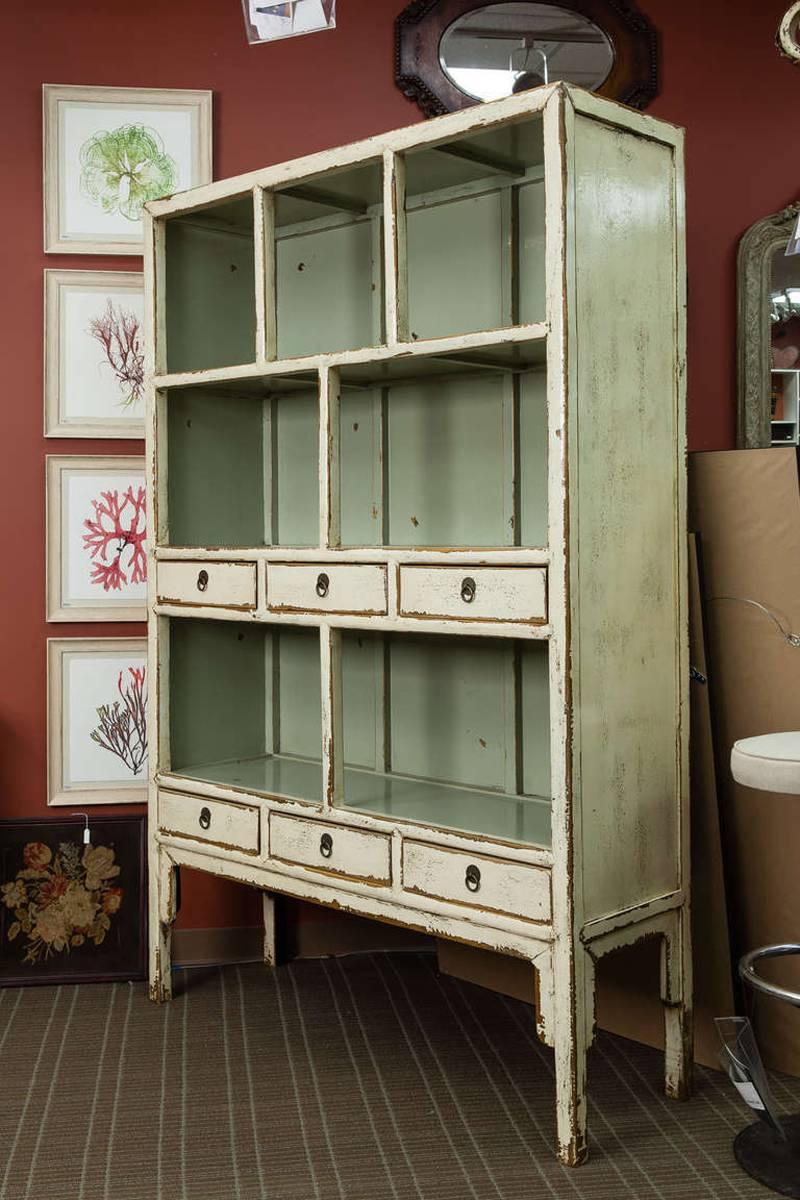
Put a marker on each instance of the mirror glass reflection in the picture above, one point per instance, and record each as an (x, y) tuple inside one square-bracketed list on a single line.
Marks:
[(507, 48), (784, 315)]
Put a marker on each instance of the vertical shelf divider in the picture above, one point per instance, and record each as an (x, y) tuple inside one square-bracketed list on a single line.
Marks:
[(332, 729), (330, 506), (394, 248), (265, 275)]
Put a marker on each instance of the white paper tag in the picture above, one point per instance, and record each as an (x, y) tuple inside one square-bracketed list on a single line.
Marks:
[(750, 1096)]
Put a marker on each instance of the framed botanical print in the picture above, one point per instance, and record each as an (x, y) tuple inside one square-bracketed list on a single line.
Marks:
[(96, 721), (94, 354), (107, 151), (71, 910), (96, 539)]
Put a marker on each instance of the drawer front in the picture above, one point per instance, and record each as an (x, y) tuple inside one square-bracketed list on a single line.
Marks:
[(331, 848), (474, 593), (515, 889), (217, 584), (233, 826), (326, 587)]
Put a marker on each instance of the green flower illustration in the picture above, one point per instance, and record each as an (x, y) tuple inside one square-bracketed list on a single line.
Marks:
[(125, 168)]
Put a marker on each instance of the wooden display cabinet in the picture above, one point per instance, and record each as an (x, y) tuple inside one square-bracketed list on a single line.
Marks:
[(418, 639)]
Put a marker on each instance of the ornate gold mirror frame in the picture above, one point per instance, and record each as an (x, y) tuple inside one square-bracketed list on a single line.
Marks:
[(754, 349)]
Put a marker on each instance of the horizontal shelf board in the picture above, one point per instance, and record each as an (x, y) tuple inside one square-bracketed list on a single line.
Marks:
[(516, 348), (509, 357), (265, 775), (523, 820), (444, 130), (449, 555), (519, 819)]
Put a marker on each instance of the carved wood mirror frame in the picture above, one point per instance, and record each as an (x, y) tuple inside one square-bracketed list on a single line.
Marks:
[(633, 78), (754, 339)]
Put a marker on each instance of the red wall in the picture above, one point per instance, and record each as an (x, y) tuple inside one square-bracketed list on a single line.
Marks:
[(721, 77)]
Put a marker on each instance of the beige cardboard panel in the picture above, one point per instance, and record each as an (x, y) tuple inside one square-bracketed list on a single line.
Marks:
[(746, 508)]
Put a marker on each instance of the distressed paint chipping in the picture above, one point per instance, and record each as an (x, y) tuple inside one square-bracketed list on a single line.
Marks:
[(607, 880)]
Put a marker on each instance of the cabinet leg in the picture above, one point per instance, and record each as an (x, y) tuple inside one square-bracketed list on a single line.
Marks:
[(270, 931), (163, 889), (676, 994), (574, 1025)]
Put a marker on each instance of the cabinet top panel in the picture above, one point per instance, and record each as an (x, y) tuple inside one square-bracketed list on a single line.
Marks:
[(477, 121)]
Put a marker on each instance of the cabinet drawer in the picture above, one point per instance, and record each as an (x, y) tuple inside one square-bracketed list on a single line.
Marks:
[(513, 888), (215, 584), (474, 593), (326, 587), (233, 826), (327, 847)]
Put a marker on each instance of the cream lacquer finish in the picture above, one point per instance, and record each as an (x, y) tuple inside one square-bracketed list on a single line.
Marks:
[(474, 594), (476, 879), (605, 595), (334, 848), (320, 587), (224, 584), (229, 826)]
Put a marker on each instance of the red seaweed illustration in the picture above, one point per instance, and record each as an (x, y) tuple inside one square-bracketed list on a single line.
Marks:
[(115, 539), (123, 724), (118, 332)]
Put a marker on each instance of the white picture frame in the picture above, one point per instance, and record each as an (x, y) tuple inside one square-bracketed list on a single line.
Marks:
[(96, 538), (97, 140), (93, 354), (96, 721)]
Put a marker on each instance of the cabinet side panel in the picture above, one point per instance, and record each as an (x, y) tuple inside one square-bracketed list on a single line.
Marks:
[(627, 517)]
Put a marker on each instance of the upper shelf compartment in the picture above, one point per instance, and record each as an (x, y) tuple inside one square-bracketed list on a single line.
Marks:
[(475, 232), (209, 287), (328, 262)]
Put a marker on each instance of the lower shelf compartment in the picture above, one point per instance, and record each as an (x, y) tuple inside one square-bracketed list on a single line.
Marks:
[(492, 814), (424, 801), (265, 775)]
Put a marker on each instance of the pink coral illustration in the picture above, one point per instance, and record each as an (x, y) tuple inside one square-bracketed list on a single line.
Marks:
[(122, 727), (118, 332), (115, 539)]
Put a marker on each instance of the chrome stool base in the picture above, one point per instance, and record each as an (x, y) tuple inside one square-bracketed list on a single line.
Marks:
[(748, 974), (760, 1151), (766, 1157)]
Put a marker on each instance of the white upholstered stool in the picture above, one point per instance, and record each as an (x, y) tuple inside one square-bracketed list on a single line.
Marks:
[(770, 763)]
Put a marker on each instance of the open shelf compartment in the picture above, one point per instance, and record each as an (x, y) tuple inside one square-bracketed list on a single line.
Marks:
[(475, 232), (446, 450), (329, 262), (242, 463), (451, 732), (209, 294), (244, 707)]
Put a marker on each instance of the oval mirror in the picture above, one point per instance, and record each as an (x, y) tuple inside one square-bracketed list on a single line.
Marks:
[(502, 49), (450, 54)]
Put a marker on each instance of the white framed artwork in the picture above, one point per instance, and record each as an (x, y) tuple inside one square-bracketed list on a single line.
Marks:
[(107, 151), (94, 354), (96, 721), (96, 539), (269, 20)]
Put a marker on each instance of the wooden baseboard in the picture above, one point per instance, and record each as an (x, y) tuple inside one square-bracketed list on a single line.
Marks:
[(305, 931), (214, 947)]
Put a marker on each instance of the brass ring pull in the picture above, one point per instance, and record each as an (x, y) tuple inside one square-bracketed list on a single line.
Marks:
[(326, 845), (205, 818), (202, 581), (472, 879), (468, 588), (323, 583)]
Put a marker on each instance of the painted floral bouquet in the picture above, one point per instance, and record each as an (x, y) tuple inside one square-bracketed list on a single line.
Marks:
[(62, 900)]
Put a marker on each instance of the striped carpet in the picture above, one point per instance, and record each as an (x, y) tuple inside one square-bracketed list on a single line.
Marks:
[(365, 1078)]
